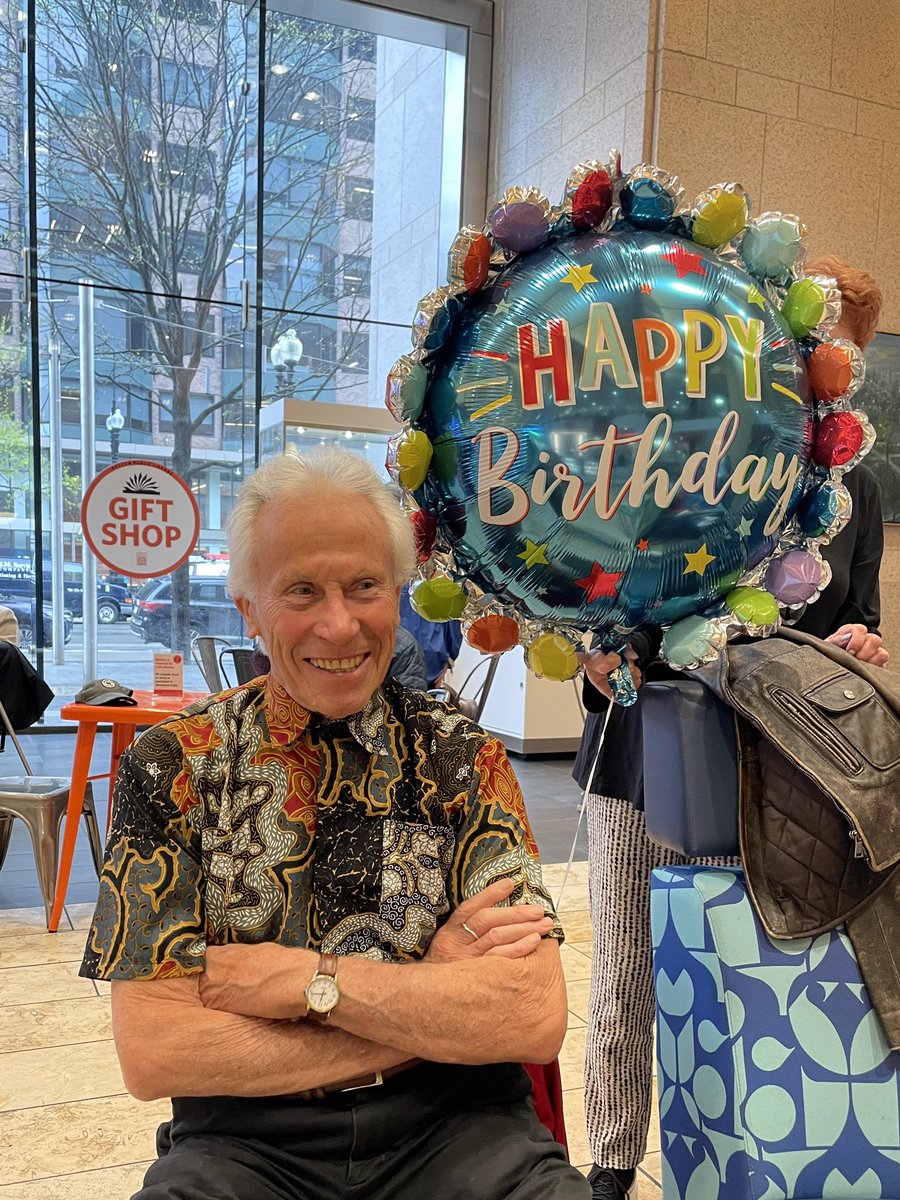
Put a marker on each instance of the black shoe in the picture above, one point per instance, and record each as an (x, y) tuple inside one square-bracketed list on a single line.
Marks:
[(608, 1183)]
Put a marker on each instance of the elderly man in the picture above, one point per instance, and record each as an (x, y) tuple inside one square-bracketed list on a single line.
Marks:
[(322, 911)]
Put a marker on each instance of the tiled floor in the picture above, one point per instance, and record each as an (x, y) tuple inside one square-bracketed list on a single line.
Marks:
[(68, 1130)]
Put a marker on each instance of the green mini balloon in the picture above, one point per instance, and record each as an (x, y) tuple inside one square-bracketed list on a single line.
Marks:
[(438, 599), (753, 606), (804, 307)]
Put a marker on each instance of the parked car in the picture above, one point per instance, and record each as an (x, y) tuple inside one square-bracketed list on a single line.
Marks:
[(113, 599), (212, 610), (24, 611)]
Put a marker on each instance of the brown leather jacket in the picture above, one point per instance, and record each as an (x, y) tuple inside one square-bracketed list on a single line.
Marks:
[(819, 808)]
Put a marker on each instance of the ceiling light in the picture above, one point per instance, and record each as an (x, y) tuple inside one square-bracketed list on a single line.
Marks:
[(279, 69)]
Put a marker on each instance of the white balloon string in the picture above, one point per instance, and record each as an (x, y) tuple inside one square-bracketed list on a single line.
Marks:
[(583, 805)]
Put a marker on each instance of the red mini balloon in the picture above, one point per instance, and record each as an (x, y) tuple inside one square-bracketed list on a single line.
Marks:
[(493, 633), (592, 200), (424, 528), (839, 438)]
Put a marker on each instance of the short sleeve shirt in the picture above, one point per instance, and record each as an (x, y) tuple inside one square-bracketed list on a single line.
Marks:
[(248, 819)]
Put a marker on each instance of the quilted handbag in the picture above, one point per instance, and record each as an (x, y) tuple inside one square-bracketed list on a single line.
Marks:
[(690, 768)]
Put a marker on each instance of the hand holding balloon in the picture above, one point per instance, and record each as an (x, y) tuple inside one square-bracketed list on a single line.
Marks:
[(600, 667)]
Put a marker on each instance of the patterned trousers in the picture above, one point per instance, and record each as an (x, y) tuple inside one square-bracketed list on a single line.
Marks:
[(618, 1069)]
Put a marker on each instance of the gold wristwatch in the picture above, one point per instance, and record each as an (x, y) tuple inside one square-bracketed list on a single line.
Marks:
[(322, 992)]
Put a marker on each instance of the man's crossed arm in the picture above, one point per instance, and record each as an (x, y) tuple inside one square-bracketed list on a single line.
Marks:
[(234, 1029)]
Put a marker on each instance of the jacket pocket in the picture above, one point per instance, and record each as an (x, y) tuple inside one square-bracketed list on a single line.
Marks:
[(856, 710), (819, 731)]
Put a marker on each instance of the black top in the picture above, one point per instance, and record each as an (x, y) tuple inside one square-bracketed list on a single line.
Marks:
[(852, 596)]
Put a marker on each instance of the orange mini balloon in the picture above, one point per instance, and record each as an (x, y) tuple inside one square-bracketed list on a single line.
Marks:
[(493, 633), (830, 371)]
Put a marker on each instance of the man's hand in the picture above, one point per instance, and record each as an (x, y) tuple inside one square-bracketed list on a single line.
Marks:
[(257, 980), (511, 932), (865, 646), (597, 667)]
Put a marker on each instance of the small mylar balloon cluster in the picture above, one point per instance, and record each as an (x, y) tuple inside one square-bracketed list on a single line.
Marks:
[(624, 411)]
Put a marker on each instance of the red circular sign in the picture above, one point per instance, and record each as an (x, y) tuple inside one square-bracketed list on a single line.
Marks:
[(140, 519)]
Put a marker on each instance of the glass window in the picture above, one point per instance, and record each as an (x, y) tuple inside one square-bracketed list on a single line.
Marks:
[(361, 119), (358, 199), (355, 350), (149, 175), (357, 274)]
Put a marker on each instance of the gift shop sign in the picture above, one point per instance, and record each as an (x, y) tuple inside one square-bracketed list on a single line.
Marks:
[(140, 519)]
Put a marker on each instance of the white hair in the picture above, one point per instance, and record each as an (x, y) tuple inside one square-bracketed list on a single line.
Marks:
[(302, 478)]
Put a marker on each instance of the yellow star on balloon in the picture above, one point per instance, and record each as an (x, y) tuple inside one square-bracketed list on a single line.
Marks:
[(578, 276), (533, 554), (755, 296), (699, 560)]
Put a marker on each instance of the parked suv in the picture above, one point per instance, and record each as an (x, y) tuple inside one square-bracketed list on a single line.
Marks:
[(212, 610), (17, 582)]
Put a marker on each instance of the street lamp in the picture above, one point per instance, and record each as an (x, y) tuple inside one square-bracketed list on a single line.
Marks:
[(286, 354), (115, 423)]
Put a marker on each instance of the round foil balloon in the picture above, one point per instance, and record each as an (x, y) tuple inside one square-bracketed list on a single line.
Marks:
[(619, 428), (632, 430)]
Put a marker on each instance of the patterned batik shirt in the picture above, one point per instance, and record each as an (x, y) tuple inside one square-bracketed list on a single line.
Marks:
[(247, 819)]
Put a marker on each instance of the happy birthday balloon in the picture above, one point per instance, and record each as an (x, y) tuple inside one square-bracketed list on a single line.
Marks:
[(618, 428), (612, 409)]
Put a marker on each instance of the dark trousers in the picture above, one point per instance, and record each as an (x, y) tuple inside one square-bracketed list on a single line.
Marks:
[(433, 1133)]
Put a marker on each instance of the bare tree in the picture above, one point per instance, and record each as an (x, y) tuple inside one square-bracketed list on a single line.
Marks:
[(147, 136)]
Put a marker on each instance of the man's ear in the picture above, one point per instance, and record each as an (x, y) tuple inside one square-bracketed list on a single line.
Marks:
[(244, 606)]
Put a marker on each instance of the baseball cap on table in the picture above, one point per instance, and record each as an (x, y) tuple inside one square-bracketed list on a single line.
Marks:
[(104, 691)]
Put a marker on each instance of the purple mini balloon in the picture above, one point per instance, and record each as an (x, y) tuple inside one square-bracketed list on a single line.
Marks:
[(794, 578), (520, 226)]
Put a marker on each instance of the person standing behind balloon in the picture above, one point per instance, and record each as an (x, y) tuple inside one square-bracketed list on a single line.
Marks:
[(619, 1051)]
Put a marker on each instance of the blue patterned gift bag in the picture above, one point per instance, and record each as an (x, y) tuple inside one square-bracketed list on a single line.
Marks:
[(775, 1079)]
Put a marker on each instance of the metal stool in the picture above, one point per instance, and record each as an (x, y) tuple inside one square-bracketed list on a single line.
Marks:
[(40, 801)]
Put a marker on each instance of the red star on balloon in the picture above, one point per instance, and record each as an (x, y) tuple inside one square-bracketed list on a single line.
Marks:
[(646, 289), (684, 262), (643, 544), (599, 583)]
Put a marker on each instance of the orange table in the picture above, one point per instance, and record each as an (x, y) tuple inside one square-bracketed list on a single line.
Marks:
[(125, 720)]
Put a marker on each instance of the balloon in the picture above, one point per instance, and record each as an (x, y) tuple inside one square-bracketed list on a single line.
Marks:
[(824, 511), (693, 641), (795, 577), (839, 439), (492, 633), (424, 529), (552, 656), (438, 599), (609, 408), (405, 392), (719, 214), (772, 245), (757, 610), (619, 426), (836, 370), (649, 198), (589, 193), (469, 259), (520, 222)]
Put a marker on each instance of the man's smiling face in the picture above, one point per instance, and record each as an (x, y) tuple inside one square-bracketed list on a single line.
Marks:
[(326, 604)]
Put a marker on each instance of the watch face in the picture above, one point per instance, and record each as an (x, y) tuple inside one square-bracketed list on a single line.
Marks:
[(322, 994)]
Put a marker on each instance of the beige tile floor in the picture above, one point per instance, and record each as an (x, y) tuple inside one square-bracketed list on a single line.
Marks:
[(69, 1131)]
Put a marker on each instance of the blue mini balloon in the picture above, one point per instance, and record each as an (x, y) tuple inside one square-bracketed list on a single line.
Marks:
[(631, 427)]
